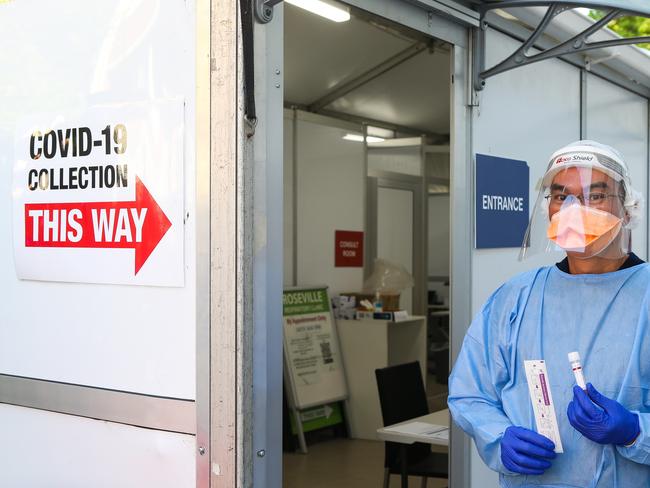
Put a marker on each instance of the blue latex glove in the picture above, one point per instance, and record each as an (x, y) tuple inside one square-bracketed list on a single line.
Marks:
[(524, 451), (602, 419)]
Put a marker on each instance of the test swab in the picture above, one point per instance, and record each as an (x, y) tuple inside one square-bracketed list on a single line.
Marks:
[(574, 359)]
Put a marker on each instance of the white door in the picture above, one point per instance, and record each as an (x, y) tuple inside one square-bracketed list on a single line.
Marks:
[(395, 232)]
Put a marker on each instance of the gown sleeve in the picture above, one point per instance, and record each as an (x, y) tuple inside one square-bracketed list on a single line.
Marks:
[(639, 451), (475, 384)]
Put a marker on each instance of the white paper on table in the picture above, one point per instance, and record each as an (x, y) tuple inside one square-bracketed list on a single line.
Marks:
[(400, 316), (542, 401), (421, 429)]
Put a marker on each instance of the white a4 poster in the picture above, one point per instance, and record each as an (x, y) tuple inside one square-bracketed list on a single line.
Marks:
[(98, 195)]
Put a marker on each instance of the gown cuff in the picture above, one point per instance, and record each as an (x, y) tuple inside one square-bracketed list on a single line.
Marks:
[(639, 450)]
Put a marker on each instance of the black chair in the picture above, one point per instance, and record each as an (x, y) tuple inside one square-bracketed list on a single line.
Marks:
[(402, 397)]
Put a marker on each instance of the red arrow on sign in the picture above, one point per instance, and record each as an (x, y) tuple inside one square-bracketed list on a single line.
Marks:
[(139, 224)]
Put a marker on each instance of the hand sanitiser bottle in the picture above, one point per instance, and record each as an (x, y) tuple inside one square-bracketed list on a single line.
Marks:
[(574, 359)]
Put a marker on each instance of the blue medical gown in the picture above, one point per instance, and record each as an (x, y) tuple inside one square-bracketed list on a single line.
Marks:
[(545, 314)]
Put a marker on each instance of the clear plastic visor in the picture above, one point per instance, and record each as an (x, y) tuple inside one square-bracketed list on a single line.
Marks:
[(580, 212)]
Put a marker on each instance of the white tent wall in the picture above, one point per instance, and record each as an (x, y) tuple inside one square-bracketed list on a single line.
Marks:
[(101, 318), (83, 339), (527, 114), (619, 118), (404, 160), (62, 451), (329, 193)]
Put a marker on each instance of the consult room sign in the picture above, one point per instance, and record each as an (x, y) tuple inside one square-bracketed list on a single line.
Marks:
[(502, 187), (348, 251)]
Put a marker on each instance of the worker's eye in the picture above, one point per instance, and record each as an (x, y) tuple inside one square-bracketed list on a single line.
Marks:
[(597, 197), (558, 197)]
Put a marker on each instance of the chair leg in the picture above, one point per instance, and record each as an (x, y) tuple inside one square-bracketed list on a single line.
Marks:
[(386, 477), (423, 484)]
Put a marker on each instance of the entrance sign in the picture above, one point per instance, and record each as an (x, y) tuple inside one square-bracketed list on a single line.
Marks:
[(502, 187), (98, 195)]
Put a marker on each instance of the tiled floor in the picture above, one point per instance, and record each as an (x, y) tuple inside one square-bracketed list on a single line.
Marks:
[(343, 463), (350, 463)]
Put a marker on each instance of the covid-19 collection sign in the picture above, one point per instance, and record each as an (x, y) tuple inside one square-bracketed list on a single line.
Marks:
[(98, 195)]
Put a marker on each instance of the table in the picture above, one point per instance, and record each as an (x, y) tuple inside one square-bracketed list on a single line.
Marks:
[(367, 345), (440, 417)]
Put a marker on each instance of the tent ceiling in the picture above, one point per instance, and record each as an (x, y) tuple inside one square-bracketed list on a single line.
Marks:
[(414, 94), (321, 56)]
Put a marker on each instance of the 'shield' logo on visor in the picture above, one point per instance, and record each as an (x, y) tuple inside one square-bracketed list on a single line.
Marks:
[(574, 158)]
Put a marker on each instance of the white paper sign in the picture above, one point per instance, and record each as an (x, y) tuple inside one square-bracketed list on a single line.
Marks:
[(421, 429), (310, 347), (98, 195), (542, 401)]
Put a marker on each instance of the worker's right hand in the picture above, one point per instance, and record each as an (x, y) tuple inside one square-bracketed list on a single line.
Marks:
[(524, 451)]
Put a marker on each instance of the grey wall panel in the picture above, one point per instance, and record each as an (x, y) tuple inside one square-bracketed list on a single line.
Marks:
[(524, 114), (618, 117)]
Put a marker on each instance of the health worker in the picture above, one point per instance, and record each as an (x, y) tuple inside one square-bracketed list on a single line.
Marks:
[(596, 301)]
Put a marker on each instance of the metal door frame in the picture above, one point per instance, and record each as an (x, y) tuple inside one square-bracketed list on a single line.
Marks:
[(263, 460), (413, 184)]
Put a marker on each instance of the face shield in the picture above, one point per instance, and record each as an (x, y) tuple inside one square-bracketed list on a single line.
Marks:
[(586, 206)]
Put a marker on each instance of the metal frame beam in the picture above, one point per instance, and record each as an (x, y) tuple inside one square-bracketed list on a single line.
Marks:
[(432, 137), (451, 9), (576, 44), (614, 71), (148, 411), (448, 8)]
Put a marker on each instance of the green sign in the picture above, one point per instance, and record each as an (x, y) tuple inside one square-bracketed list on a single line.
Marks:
[(300, 302), (319, 417)]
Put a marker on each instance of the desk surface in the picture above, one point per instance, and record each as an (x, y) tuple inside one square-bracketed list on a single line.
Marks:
[(440, 417)]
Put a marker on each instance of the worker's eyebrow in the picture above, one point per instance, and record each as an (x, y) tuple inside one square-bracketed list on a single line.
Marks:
[(557, 187), (599, 184), (594, 186)]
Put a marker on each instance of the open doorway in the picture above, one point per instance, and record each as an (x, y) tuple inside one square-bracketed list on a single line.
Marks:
[(366, 157)]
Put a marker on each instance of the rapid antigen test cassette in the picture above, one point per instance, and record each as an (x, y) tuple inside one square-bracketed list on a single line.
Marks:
[(542, 400)]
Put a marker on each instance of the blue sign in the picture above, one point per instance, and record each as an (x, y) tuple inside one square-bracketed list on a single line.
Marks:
[(501, 201)]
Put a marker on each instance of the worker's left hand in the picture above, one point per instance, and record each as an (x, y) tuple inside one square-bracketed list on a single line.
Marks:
[(602, 419)]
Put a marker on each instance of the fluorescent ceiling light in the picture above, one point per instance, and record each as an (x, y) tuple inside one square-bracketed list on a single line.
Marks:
[(359, 138), (324, 8), (380, 132)]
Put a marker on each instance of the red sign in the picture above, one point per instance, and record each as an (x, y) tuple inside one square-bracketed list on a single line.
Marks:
[(139, 224), (349, 249)]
